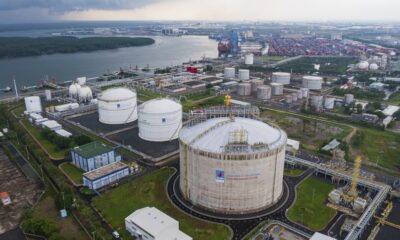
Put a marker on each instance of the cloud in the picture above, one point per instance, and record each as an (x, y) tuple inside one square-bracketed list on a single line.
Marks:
[(61, 6)]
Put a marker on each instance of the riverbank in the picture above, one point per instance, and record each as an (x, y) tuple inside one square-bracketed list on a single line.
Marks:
[(14, 47)]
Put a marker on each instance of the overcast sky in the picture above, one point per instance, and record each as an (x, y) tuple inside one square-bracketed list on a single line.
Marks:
[(17, 11)]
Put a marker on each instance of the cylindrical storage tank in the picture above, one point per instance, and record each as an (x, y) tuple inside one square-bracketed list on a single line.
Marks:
[(244, 89), (160, 120), (33, 104), (255, 84), (304, 92), (294, 97), (216, 174), (81, 80), (249, 59), (316, 102), (281, 77), (47, 93), (299, 94), (312, 82), (264, 92), (277, 88), (117, 106), (244, 74), (348, 99), (229, 72), (289, 99), (329, 102)]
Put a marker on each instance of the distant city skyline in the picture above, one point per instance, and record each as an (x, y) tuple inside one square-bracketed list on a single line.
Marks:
[(21, 11)]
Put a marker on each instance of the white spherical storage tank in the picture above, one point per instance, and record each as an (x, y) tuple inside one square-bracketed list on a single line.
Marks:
[(222, 177), (281, 77), (74, 90), (312, 82), (229, 72), (117, 106), (244, 74), (160, 120), (33, 104), (249, 59), (85, 94)]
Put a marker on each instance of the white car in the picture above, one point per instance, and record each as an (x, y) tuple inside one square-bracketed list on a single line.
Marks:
[(115, 234)]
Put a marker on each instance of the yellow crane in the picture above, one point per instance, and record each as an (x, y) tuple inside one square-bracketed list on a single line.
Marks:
[(227, 100)]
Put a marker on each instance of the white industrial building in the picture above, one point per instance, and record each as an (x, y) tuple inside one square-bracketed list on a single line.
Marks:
[(152, 224), (63, 133), (160, 120), (94, 155), (33, 104), (105, 175), (52, 125), (221, 157), (320, 236), (117, 106)]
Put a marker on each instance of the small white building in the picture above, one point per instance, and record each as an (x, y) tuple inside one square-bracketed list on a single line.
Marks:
[(52, 125), (63, 133), (292, 145), (152, 224)]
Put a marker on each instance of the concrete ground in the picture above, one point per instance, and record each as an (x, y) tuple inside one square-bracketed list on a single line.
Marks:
[(24, 193)]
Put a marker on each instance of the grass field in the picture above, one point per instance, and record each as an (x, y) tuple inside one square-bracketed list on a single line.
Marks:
[(293, 172), (329, 65), (69, 228), (73, 172), (394, 99), (190, 104), (380, 147), (310, 209), (149, 190), (145, 95), (269, 58), (49, 146)]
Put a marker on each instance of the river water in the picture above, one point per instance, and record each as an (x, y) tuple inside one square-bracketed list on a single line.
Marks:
[(166, 51)]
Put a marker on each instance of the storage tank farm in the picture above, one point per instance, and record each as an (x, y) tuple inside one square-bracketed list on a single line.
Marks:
[(281, 77), (160, 120), (264, 92), (220, 157), (244, 89), (117, 106)]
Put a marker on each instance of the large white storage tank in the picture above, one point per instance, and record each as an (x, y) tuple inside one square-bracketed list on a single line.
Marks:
[(216, 174), (281, 77), (160, 120), (329, 102), (264, 92), (277, 88), (255, 84), (249, 59), (244, 74), (348, 99), (304, 92), (316, 102), (312, 82), (117, 106), (74, 90), (244, 89), (229, 72), (33, 104)]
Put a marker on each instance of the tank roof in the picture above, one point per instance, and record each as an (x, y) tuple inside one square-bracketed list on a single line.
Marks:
[(160, 105), (117, 94), (214, 134)]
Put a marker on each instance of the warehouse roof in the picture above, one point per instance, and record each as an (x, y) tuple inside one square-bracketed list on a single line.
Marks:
[(105, 170), (51, 124), (214, 134), (93, 149), (319, 236), (157, 223)]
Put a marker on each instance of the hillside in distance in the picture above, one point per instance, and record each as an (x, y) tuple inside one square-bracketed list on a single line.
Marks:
[(12, 47)]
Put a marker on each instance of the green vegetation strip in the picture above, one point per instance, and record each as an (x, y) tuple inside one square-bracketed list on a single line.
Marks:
[(50, 147), (73, 172), (293, 172), (149, 190), (11, 47), (211, 101), (310, 209)]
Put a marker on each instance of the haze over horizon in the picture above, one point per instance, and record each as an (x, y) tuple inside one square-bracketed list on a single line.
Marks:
[(22, 11)]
